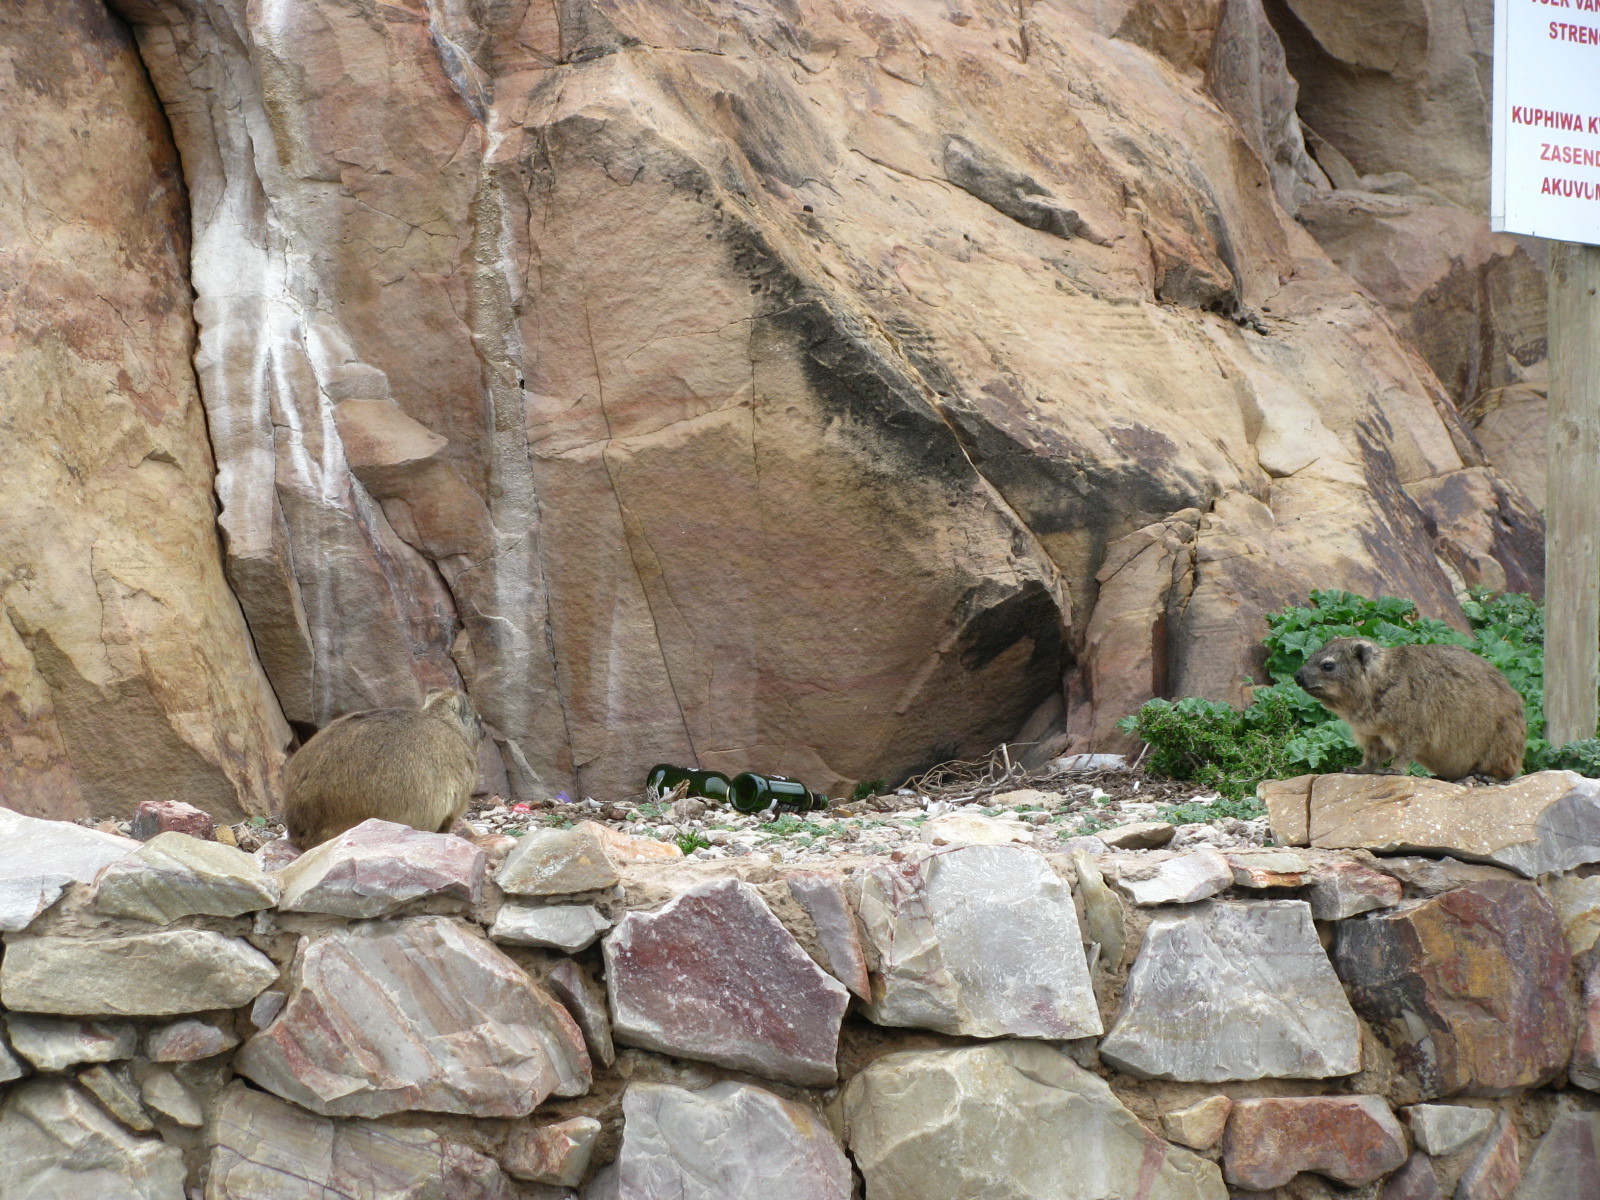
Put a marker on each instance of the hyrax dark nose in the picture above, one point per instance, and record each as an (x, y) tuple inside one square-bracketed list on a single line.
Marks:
[(1300, 676)]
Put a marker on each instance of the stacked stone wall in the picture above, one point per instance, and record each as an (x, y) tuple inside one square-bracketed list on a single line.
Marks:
[(580, 1013)]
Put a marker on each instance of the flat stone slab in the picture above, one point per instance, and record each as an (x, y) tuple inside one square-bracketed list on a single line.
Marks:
[(713, 975), (154, 817), (1578, 902), (588, 857), (138, 975), (1425, 975), (59, 1143), (1343, 889), (376, 867), (822, 894), (981, 941), (974, 829), (556, 1154), (1584, 1069), (568, 927), (264, 1149), (54, 1043), (1544, 822), (1496, 1170), (1566, 1164), (174, 875), (188, 1040), (118, 1095), (1266, 869), (1414, 1181), (1445, 1128), (937, 1123), (1181, 880), (1234, 990), (1139, 835), (730, 1141), (386, 1016), (1200, 1125), (585, 1002), (1353, 1139), (39, 858)]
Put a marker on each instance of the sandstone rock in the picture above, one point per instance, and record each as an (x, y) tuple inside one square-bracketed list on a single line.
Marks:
[(11, 1067), (557, 862), (1445, 1128), (264, 1149), (1435, 876), (1548, 821), (1496, 1169), (387, 1016), (1268, 869), (569, 927), (822, 895), (115, 1090), (1353, 1139), (730, 1141), (586, 1004), (1566, 1164), (556, 1154), (146, 974), (714, 975), (1584, 1069), (51, 1044), (276, 854), (395, 469), (266, 1007), (1182, 880), (187, 1040), (154, 817), (126, 669), (59, 1143), (981, 941), (1423, 975), (1103, 917), (1229, 990), (164, 1091), (374, 868), (1414, 1181), (1578, 902), (1141, 835), (175, 875), (973, 829), (949, 1122), (1200, 1125), (1343, 889), (38, 859)]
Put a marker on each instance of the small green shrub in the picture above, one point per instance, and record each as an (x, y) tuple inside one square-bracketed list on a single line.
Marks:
[(867, 789), (1285, 732), (692, 841)]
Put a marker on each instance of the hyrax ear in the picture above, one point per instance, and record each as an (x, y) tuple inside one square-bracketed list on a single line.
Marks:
[(1363, 653)]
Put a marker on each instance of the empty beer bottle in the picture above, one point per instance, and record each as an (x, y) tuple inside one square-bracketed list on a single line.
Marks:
[(664, 778), (752, 793)]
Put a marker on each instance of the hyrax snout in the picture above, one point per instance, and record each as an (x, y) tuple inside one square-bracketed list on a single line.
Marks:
[(1442, 706), (415, 767)]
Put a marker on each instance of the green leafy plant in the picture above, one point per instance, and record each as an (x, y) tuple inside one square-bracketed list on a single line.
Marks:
[(867, 788), (1285, 732), (692, 841)]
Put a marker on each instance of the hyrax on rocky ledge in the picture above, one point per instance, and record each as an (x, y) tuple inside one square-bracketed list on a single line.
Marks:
[(1443, 706), (413, 767)]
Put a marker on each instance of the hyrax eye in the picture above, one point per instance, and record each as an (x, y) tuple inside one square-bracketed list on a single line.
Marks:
[(1327, 664)]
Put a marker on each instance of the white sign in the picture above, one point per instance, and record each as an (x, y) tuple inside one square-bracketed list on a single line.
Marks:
[(1546, 167)]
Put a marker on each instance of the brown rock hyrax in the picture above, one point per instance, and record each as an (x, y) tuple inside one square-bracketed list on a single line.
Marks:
[(413, 767), (1442, 706)]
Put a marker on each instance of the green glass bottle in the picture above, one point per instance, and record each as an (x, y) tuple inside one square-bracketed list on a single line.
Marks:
[(664, 778), (752, 793)]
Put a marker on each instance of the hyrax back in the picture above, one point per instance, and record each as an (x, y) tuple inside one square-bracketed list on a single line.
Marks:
[(413, 767), (1443, 706)]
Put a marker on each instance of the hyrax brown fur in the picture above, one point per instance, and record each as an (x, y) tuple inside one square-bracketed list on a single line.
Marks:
[(1443, 706), (413, 767)]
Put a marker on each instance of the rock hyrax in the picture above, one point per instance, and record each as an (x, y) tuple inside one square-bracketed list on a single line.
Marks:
[(1443, 706), (413, 767)]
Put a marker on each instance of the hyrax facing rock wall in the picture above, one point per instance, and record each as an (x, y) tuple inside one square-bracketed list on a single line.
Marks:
[(397, 764), (1443, 706)]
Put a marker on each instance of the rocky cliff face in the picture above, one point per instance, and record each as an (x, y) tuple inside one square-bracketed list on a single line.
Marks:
[(126, 669), (832, 390)]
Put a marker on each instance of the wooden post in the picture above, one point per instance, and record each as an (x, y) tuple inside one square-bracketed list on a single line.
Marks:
[(1572, 503)]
